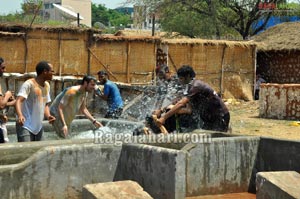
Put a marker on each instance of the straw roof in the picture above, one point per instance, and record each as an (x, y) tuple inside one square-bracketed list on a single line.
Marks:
[(148, 33), (175, 38), (285, 36), (148, 39), (24, 27), (10, 34), (209, 42)]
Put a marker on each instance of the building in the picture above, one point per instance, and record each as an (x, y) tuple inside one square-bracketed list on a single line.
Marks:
[(278, 53), (83, 7)]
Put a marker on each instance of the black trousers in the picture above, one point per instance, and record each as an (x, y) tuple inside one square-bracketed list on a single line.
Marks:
[(219, 124)]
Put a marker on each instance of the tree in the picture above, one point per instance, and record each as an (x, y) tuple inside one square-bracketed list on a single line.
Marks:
[(220, 16), (31, 6), (109, 17), (242, 15), (31, 9)]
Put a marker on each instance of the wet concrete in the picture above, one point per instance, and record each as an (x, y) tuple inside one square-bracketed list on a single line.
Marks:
[(164, 168)]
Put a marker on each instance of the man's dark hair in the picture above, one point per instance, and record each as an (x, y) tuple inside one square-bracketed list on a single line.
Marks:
[(41, 66), (88, 79), (185, 71), (1, 60), (102, 72)]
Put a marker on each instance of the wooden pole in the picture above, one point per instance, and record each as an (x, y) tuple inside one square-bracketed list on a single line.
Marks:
[(26, 51), (109, 72), (59, 53), (222, 72), (78, 20), (153, 24), (127, 63), (172, 62), (254, 53)]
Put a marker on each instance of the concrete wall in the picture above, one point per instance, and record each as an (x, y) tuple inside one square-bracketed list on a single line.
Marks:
[(222, 166), (160, 171), (276, 155), (279, 101), (62, 168), (59, 171), (12, 153)]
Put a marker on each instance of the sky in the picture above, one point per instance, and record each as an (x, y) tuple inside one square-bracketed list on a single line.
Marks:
[(11, 6)]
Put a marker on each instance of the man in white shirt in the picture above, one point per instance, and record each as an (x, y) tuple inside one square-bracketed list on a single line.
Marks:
[(32, 104)]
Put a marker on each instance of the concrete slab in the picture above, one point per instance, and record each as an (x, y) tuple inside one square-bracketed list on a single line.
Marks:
[(223, 166), (114, 190), (278, 185), (244, 195)]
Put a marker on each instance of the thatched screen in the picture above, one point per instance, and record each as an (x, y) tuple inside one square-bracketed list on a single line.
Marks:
[(65, 48), (229, 67), (12, 50), (127, 59)]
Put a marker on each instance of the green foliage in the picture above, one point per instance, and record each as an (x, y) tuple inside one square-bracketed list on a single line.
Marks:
[(17, 17), (109, 17), (215, 18), (186, 23), (31, 6), (195, 19)]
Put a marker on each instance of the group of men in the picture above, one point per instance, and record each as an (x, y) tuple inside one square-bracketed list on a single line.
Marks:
[(195, 105), (33, 103), (192, 105)]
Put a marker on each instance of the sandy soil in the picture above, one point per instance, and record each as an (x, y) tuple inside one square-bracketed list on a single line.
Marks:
[(245, 120)]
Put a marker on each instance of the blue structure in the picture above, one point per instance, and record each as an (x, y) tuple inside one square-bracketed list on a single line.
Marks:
[(274, 20)]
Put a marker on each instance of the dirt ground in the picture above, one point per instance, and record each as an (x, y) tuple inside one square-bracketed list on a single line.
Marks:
[(245, 120)]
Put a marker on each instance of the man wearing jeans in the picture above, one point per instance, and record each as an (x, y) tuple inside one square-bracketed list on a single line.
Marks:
[(32, 104)]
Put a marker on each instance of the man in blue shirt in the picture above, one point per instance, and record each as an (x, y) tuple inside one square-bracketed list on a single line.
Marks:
[(112, 95)]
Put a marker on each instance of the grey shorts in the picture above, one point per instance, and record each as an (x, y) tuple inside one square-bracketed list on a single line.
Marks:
[(24, 135)]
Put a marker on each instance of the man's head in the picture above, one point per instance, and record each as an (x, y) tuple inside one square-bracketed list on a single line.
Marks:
[(2, 66), (45, 69), (163, 72), (89, 83), (102, 76), (185, 74)]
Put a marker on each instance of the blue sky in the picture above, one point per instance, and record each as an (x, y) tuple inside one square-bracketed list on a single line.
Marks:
[(11, 6)]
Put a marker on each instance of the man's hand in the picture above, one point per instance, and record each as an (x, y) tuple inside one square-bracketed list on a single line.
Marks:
[(21, 120), (161, 120), (9, 94), (51, 119), (4, 118), (65, 130), (97, 124), (157, 113)]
